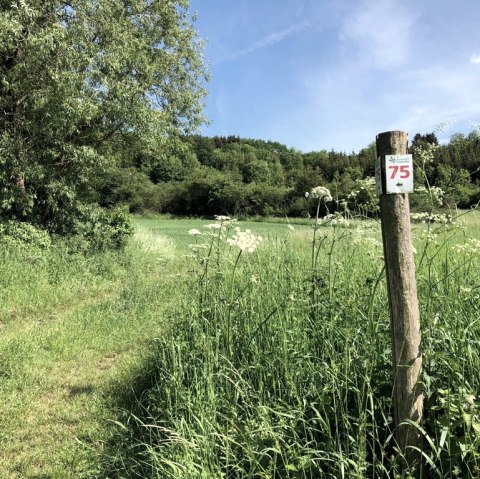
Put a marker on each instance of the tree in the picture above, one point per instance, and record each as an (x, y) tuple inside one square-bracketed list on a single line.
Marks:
[(82, 83)]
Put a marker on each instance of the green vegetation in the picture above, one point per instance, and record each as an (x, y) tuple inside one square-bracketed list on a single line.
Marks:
[(73, 333), (85, 86), (244, 177), (175, 361), (252, 351), (273, 369)]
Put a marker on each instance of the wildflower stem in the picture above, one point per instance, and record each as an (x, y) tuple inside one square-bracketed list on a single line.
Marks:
[(229, 316)]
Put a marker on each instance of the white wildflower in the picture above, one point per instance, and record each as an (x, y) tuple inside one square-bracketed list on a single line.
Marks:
[(194, 232), (245, 240), (471, 247), (222, 218), (469, 399), (213, 226), (429, 236), (426, 152), (335, 219), (431, 218), (441, 127), (321, 193)]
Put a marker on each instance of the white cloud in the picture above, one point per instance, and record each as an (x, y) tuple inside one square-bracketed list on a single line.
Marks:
[(353, 102), (475, 59), (379, 32), (268, 41)]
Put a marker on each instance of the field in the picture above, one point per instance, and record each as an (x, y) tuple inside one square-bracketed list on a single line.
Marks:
[(188, 357)]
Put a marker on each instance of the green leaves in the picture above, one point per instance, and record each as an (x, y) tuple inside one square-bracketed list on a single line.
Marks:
[(77, 83)]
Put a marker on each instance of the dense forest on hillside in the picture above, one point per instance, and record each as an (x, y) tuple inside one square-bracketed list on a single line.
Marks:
[(202, 176)]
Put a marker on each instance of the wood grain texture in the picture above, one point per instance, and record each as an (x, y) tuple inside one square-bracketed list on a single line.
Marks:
[(404, 311)]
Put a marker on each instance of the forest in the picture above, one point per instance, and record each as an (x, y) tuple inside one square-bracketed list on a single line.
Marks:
[(201, 176)]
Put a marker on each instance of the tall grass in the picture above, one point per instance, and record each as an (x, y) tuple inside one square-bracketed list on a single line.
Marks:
[(278, 363)]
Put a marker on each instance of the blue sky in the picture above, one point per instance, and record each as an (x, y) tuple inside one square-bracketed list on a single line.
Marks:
[(323, 74)]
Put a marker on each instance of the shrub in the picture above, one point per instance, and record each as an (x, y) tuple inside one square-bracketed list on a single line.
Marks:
[(23, 235), (105, 229)]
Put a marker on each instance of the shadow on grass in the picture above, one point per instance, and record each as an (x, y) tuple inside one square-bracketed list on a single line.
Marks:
[(126, 455)]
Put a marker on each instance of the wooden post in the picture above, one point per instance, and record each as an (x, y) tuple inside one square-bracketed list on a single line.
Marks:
[(404, 311)]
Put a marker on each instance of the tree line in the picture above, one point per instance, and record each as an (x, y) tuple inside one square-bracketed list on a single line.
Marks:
[(203, 176)]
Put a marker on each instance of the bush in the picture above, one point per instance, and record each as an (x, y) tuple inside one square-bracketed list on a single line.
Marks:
[(105, 229), (23, 235), (128, 186)]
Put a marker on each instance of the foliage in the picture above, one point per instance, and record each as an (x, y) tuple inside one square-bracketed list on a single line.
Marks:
[(74, 327), (23, 235), (202, 176), (104, 229), (278, 363), (83, 84)]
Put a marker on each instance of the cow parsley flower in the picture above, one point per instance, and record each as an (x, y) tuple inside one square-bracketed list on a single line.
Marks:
[(335, 219), (213, 226), (194, 232), (245, 240), (321, 193)]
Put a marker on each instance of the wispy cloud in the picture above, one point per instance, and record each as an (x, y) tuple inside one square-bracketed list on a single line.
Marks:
[(475, 59), (379, 32), (267, 41)]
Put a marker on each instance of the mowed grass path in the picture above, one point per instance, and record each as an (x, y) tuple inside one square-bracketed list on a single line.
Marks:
[(72, 335)]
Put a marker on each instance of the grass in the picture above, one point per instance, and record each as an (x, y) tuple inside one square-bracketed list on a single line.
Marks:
[(177, 229), (272, 370), (71, 331), (166, 363)]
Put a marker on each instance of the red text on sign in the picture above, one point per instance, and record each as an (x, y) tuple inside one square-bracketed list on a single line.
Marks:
[(404, 171)]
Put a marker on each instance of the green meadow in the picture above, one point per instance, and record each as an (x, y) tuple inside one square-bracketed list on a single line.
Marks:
[(224, 353)]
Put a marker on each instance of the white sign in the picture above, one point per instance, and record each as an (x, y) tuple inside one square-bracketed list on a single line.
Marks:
[(399, 173), (378, 177)]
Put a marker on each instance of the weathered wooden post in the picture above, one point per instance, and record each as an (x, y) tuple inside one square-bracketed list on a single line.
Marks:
[(394, 182)]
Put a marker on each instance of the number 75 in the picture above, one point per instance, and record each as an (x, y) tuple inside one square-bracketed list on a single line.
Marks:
[(403, 169)]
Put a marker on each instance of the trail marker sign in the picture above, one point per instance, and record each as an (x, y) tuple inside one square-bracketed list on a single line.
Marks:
[(398, 174)]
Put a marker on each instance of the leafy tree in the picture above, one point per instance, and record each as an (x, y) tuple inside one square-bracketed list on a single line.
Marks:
[(81, 83)]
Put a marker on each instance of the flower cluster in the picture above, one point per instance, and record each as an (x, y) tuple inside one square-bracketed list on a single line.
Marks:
[(426, 152), (213, 226), (335, 219), (194, 232), (245, 240), (435, 192), (321, 193), (429, 236), (472, 246), (431, 218), (367, 184), (223, 219), (370, 245), (442, 126)]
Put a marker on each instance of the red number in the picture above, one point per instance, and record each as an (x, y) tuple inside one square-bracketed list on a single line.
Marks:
[(394, 172), (404, 171)]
